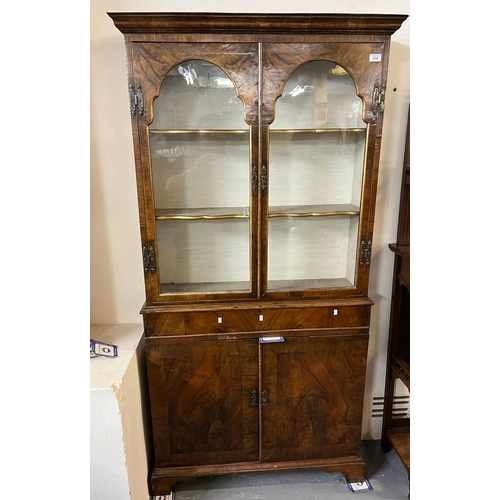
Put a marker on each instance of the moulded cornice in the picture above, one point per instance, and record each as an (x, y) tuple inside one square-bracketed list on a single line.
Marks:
[(171, 22)]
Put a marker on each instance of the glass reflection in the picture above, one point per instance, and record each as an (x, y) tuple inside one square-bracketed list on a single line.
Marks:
[(197, 95), (323, 95), (200, 153), (317, 150)]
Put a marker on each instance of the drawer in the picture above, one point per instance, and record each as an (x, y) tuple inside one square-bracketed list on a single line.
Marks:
[(220, 321), (312, 318), (256, 320), (164, 324)]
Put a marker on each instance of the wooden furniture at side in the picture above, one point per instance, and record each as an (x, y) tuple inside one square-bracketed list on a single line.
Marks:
[(396, 431), (257, 143)]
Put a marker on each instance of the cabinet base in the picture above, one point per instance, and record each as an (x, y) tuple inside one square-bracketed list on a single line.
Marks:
[(164, 478)]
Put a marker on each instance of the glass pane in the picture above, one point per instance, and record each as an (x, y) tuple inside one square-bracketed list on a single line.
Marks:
[(319, 94), (317, 150), (200, 150), (203, 255), (312, 252), (198, 95)]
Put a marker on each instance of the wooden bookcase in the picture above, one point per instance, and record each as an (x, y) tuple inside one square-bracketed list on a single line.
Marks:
[(396, 431), (257, 143)]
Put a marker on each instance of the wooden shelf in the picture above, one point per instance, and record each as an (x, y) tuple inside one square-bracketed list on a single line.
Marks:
[(199, 132), (214, 213), (313, 210), (400, 440), (202, 213), (244, 131), (402, 250), (208, 287), (317, 130), (309, 284)]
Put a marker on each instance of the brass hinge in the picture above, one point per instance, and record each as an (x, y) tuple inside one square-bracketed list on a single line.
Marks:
[(365, 253), (136, 99), (264, 399), (254, 401), (378, 98), (263, 179), (149, 259), (255, 178)]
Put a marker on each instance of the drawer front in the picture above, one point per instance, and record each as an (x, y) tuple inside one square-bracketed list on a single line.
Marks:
[(256, 320), (313, 318), (164, 324)]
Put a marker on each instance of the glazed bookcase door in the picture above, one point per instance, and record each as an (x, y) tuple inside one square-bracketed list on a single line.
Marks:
[(318, 136), (196, 140)]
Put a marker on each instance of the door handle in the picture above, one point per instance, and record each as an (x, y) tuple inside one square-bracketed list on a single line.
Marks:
[(271, 340)]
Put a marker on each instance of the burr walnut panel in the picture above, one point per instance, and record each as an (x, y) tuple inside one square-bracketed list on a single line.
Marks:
[(256, 320), (315, 394), (201, 401), (152, 61), (280, 60)]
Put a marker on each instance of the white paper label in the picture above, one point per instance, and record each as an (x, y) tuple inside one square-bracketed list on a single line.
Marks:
[(359, 486), (375, 57)]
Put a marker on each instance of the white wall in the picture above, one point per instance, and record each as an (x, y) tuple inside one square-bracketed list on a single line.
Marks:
[(117, 287)]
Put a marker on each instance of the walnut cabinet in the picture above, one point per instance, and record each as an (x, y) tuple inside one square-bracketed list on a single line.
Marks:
[(257, 142)]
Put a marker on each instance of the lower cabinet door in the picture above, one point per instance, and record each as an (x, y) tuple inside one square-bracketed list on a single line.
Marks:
[(204, 401), (313, 400)]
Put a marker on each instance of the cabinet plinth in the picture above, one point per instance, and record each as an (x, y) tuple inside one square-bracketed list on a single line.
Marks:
[(256, 141)]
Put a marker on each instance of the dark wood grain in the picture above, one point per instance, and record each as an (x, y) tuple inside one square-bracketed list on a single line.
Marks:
[(348, 40), (201, 401), (164, 324), (280, 60), (400, 439), (310, 383), (151, 62), (255, 219), (176, 22), (256, 320), (403, 237), (395, 433), (204, 358), (163, 478)]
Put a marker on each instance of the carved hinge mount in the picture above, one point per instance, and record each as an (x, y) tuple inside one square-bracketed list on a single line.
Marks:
[(264, 399), (254, 398), (365, 253), (149, 259), (136, 99), (378, 98), (255, 178), (263, 179)]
